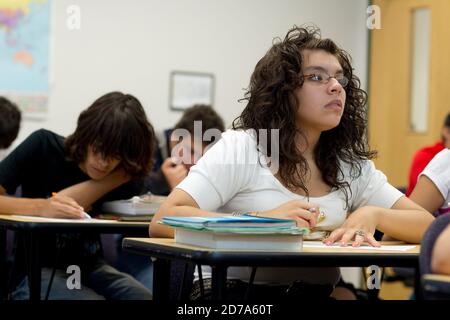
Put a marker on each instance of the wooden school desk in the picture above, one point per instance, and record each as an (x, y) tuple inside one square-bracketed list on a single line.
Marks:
[(166, 250), (33, 227)]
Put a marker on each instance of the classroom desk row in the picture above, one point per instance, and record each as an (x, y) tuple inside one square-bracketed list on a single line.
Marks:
[(33, 227), (164, 251)]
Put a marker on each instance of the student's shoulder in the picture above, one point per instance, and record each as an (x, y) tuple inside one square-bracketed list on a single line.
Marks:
[(43, 134), (444, 154), (44, 137), (239, 137), (441, 159), (233, 145)]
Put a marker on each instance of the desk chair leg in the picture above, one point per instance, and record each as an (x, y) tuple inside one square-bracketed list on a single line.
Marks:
[(250, 283), (3, 263), (34, 265), (183, 282), (200, 281), (161, 279), (218, 282)]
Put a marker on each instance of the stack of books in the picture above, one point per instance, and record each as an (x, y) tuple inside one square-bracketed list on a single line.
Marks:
[(238, 232)]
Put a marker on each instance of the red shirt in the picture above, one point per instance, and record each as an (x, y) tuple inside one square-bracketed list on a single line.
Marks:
[(421, 159)]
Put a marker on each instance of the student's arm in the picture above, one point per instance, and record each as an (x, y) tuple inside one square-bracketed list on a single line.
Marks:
[(54, 207), (19, 164), (405, 221), (440, 258), (180, 203), (378, 205), (427, 195), (88, 192)]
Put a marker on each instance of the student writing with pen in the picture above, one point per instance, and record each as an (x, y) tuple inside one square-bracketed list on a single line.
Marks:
[(85, 214), (105, 159)]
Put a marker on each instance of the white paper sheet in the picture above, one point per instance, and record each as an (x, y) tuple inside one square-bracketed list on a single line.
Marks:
[(43, 219), (319, 244)]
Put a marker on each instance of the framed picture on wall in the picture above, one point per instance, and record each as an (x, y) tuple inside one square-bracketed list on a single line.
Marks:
[(189, 88)]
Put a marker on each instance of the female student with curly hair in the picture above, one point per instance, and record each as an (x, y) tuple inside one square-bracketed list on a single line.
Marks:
[(305, 87)]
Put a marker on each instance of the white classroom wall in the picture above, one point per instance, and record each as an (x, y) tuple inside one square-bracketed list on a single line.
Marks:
[(133, 45)]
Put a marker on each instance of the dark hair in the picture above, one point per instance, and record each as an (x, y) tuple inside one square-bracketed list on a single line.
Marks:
[(271, 104), (204, 113), (115, 125), (10, 117), (447, 121)]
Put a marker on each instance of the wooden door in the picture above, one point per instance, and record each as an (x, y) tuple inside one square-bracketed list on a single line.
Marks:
[(390, 83)]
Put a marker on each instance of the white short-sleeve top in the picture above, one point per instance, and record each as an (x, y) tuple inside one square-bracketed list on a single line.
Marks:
[(231, 177), (438, 171)]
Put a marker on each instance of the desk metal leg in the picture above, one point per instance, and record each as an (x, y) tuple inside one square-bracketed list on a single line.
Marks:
[(3, 264), (161, 279), (373, 294), (218, 282), (418, 293), (34, 266)]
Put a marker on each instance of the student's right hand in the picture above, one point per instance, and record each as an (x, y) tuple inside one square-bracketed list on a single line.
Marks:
[(303, 212), (60, 206), (174, 173)]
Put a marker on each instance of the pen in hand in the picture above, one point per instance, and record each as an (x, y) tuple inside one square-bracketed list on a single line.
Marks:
[(85, 214), (320, 216)]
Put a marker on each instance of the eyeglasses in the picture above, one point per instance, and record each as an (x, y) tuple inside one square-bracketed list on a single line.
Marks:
[(324, 78)]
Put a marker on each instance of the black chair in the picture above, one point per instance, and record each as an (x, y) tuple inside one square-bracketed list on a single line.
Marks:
[(433, 286)]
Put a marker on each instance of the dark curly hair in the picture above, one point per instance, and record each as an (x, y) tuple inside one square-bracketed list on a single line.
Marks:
[(272, 104), (115, 125)]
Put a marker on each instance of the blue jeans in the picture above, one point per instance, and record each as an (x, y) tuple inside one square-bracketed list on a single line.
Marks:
[(103, 282), (140, 267)]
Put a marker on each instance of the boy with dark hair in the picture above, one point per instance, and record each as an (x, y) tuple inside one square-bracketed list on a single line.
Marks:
[(10, 117), (197, 130), (105, 158), (200, 112)]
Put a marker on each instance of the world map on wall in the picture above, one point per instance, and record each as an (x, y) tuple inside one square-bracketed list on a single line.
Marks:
[(24, 53)]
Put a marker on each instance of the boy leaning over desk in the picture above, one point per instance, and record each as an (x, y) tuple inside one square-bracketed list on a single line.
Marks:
[(105, 159)]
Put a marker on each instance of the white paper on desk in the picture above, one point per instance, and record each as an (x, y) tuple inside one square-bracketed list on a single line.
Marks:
[(319, 244), (43, 219)]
